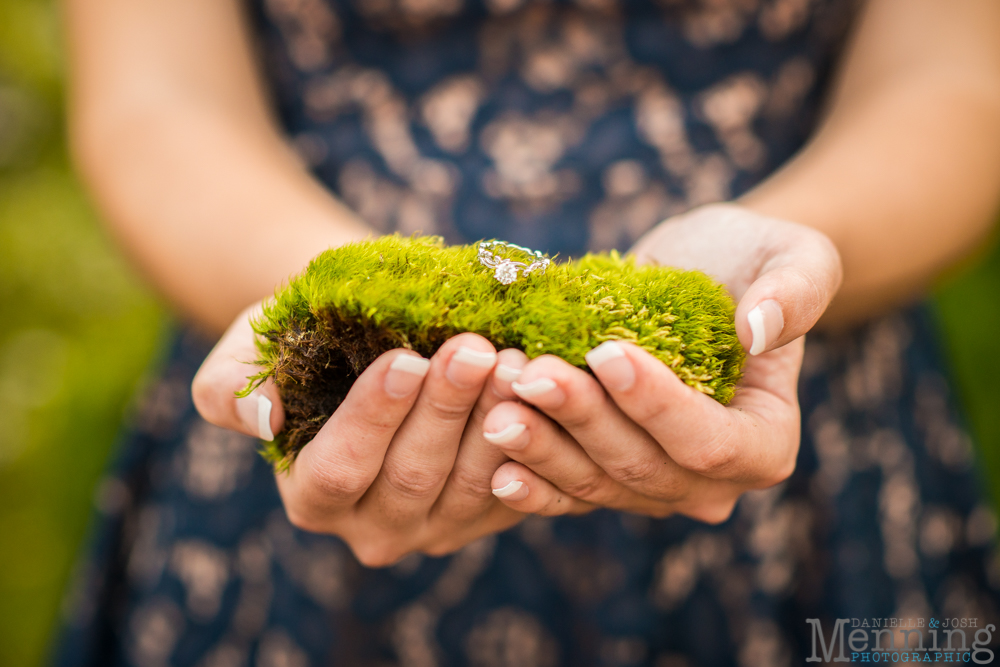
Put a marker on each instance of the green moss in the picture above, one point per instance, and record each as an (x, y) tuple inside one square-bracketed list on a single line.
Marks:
[(355, 302)]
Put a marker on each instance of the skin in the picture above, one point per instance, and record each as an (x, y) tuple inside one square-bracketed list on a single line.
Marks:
[(172, 131)]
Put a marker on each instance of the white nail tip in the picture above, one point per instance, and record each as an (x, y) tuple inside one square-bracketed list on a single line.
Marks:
[(507, 373), (411, 364), (508, 490), (472, 357), (533, 388), (264, 418), (606, 351), (758, 334), (506, 435)]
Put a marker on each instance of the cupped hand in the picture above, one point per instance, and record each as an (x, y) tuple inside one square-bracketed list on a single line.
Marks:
[(402, 465), (635, 437)]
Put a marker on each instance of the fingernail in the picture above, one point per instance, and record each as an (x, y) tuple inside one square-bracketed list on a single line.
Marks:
[(406, 373), (612, 366), (766, 322), (465, 366), (255, 412), (509, 433), (510, 490), (264, 418), (533, 388), (507, 373)]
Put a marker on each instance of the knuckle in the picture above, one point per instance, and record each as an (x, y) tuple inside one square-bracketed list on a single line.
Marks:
[(205, 395), (336, 486), (589, 487), (584, 409), (648, 411), (374, 421), (471, 487), (717, 460), (447, 410), (200, 391), (672, 487), (411, 481), (637, 473)]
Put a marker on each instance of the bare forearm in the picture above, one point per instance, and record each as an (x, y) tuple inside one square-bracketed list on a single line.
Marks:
[(213, 215), (904, 175), (172, 133)]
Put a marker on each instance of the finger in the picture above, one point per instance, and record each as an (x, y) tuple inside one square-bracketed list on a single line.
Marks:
[(789, 271), (792, 290), (753, 446), (467, 493), (520, 489), (336, 468), (510, 364), (616, 444), (422, 452), (226, 371), (535, 441)]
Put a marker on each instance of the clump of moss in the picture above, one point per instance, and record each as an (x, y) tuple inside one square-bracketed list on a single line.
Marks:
[(357, 301)]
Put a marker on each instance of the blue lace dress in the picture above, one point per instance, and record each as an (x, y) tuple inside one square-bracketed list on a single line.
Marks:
[(562, 125)]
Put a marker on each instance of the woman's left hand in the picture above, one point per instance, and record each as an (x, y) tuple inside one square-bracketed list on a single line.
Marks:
[(638, 439)]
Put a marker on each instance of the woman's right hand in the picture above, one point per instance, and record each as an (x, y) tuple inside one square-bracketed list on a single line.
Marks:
[(402, 465)]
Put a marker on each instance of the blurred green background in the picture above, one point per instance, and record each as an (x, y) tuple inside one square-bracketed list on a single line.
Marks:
[(78, 331)]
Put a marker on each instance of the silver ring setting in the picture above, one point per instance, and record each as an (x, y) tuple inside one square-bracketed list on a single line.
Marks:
[(505, 270)]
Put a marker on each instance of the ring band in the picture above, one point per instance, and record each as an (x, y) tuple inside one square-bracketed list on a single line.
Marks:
[(505, 270)]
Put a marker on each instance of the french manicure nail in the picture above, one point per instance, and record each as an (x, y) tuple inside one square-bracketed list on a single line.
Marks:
[(264, 418), (509, 433), (466, 355), (509, 490), (466, 365), (255, 413), (533, 388), (406, 373), (507, 373), (612, 366), (766, 322)]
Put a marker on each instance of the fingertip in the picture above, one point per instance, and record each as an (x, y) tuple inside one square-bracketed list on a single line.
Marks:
[(612, 365), (506, 436), (405, 374), (521, 489), (509, 483), (512, 491), (469, 360), (510, 366), (507, 374), (507, 425)]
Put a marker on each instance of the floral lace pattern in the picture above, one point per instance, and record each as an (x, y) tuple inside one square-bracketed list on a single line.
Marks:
[(565, 125), (194, 563), (562, 125)]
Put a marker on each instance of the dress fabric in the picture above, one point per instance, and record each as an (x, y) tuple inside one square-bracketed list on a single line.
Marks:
[(563, 126)]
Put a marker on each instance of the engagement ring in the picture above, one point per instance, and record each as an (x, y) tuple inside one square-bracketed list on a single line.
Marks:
[(505, 270)]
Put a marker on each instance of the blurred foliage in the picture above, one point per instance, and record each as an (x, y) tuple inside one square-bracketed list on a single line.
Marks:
[(77, 331), (968, 310)]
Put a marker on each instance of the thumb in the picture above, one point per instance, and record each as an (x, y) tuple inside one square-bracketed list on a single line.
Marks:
[(792, 290), (227, 370)]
